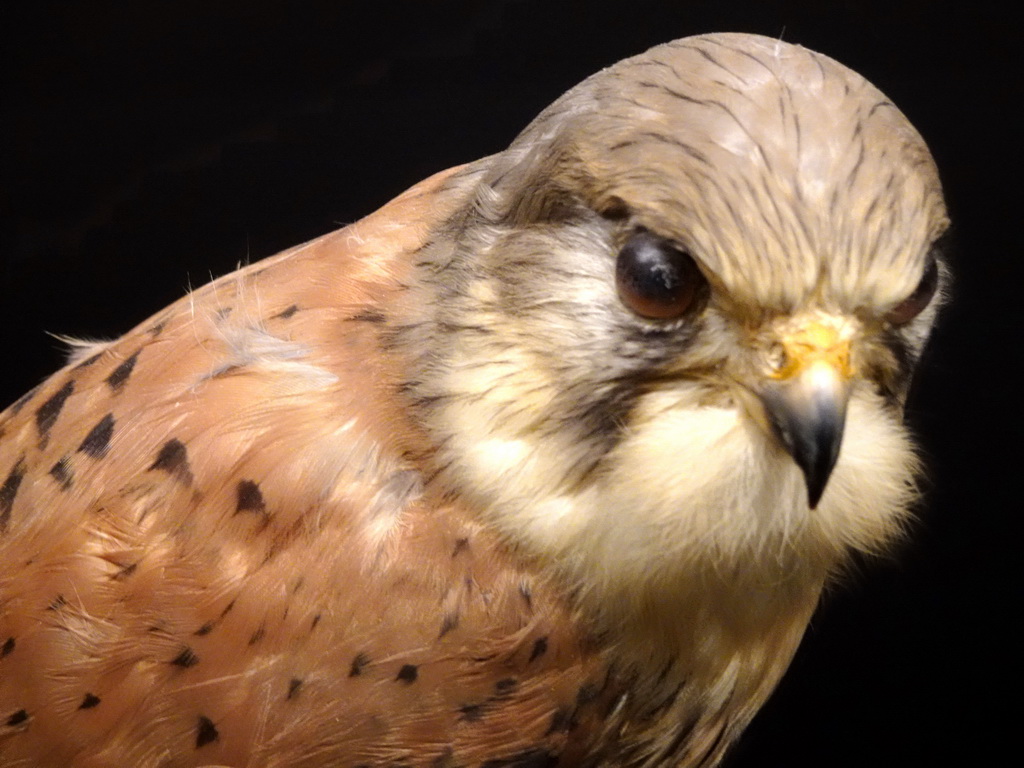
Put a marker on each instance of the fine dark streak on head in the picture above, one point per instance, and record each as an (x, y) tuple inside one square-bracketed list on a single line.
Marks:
[(819, 64), (7, 647), (471, 713), (799, 210), (173, 459), (720, 65), (871, 208), (798, 134), (658, 63), (47, 413), (858, 164), (58, 602), (97, 442), (293, 687), (673, 92), (741, 52), (770, 224), (206, 731), (89, 701), (732, 115), (672, 141), (9, 490), (62, 473), (879, 105), (258, 635), (206, 629), (116, 380)]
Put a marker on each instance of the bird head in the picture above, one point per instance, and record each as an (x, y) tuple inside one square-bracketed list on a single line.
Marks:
[(674, 324)]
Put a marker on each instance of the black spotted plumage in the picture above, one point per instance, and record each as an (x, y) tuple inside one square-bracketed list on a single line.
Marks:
[(186, 658), (119, 376), (206, 732), (97, 441), (173, 459), (9, 491), (47, 413)]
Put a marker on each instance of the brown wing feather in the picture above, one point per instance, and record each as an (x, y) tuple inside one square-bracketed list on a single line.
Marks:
[(216, 546)]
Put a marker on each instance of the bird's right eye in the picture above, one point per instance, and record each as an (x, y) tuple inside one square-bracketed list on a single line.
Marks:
[(916, 302), (655, 279)]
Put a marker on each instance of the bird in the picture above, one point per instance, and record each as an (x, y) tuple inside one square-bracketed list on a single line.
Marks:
[(547, 462)]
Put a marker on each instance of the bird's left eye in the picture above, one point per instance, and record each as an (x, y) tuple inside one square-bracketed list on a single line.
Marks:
[(915, 303), (655, 279)]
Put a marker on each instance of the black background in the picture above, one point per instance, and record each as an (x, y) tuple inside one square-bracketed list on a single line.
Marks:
[(148, 146)]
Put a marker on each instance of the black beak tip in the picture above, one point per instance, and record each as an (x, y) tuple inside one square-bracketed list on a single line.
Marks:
[(817, 458), (815, 489), (813, 441)]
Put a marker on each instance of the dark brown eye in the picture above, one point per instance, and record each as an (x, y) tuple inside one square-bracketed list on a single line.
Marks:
[(915, 303), (655, 279)]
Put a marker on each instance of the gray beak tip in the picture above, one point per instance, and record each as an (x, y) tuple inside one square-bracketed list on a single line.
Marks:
[(809, 425)]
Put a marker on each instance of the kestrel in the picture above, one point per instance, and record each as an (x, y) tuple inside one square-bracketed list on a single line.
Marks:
[(544, 463)]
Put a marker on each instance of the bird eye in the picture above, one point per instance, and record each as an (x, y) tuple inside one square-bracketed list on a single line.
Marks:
[(915, 303), (655, 279)]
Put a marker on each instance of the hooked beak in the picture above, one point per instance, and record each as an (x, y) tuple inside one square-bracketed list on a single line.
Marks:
[(805, 403)]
